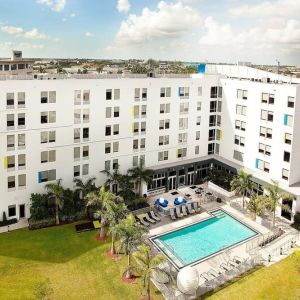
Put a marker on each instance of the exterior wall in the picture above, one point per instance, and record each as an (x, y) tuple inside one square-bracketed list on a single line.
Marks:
[(64, 127)]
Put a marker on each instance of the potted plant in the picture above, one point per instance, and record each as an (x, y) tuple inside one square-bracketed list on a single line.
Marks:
[(256, 206)]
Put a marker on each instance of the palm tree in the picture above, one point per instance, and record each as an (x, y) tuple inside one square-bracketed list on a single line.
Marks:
[(56, 191), (257, 204), (112, 177), (100, 201), (273, 196), (130, 234), (141, 174), (83, 188), (241, 184), (148, 266), (116, 211)]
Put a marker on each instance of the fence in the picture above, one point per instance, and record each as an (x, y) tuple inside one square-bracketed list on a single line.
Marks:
[(261, 241)]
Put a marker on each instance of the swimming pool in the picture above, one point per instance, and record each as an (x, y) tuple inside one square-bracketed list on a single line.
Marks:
[(198, 241)]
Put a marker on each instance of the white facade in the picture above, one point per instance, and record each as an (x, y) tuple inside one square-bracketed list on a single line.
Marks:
[(160, 144)]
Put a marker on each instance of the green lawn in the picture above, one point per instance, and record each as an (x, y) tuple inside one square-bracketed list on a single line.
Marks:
[(279, 281), (76, 265)]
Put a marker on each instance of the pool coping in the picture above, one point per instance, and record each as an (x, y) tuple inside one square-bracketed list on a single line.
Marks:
[(151, 239)]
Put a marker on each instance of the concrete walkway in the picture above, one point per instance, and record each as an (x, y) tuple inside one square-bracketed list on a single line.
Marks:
[(21, 224)]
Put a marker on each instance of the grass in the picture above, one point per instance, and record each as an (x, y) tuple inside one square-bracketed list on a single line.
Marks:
[(279, 281), (75, 264)]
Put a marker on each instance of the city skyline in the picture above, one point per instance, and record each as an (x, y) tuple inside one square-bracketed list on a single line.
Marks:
[(189, 30)]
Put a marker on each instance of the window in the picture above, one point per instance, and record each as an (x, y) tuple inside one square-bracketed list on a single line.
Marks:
[(198, 105), (198, 121), (200, 91), (108, 112), (76, 153), (211, 134), (85, 133), (264, 149), (241, 110), (116, 129), (143, 127), (76, 134), (164, 124), (21, 120), (107, 130), (107, 165), (115, 164), (86, 115), (11, 211), (239, 140), (286, 156), (11, 182), (265, 132), (240, 125), (136, 111), (163, 155), (214, 92), (77, 97), (135, 160), (10, 120), (182, 138), (48, 97), (288, 120), (108, 94), (197, 135), (184, 108), (267, 98), (263, 165), (10, 142), (181, 152), (21, 99), (144, 94), (48, 156), (115, 147), (285, 174), (143, 110), (163, 140), (76, 171), (10, 99), (48, 175), (116, 94), (183, 123), (288, 138), (21, 160), (86, 97), (291, 102), (213, 106), (165, 92), (266, 115), (77, 116), (107, 148), (48, 137), (85, 152), (140, 93), (242, 94), (116, 112), (211, 148), (184, 92), (10, 162), (22, 180), (164, 108), (238, 155), (197, 150), (143, 143), (48, 117), (85, 169), (21, 141)]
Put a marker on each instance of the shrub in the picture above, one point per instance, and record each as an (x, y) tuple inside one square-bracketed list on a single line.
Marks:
[(40, 207), (137, 203), (6, 222), (296, 223), (38, 224)]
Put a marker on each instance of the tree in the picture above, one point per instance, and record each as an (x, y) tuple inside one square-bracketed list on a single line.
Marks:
[(126, 187), (116, 212), (148, 266), (56, 191), (256, 204), (84, 187), (100, 202), (273, 196), (140, 174), (112, 177), (241, 184), (130, 234)]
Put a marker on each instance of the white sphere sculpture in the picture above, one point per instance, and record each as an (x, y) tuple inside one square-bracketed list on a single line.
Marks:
[(188, 280)]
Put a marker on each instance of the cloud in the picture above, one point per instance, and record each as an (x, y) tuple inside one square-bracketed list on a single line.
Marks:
[(55, 5), (28, 46), (281, 8), (33, 34), (89, 34), (72, 15), (123, 6), (170, 21)]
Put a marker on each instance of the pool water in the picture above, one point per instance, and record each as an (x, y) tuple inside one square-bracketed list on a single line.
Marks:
[(195, 242)]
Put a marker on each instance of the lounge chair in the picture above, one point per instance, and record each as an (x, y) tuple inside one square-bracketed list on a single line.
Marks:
[(178, 212), (232, 263), (172, 215), (226, 267), (238, 260), (148, 219), (213, 273), (143, 222), (196, 207), (190, 209), (206, 276), (184, 211), (154, 216)]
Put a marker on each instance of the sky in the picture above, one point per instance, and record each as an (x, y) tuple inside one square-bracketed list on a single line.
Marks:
[(188, 30)]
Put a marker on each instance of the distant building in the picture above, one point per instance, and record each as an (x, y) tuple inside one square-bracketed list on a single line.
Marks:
[(16, 65), (163, 66)]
